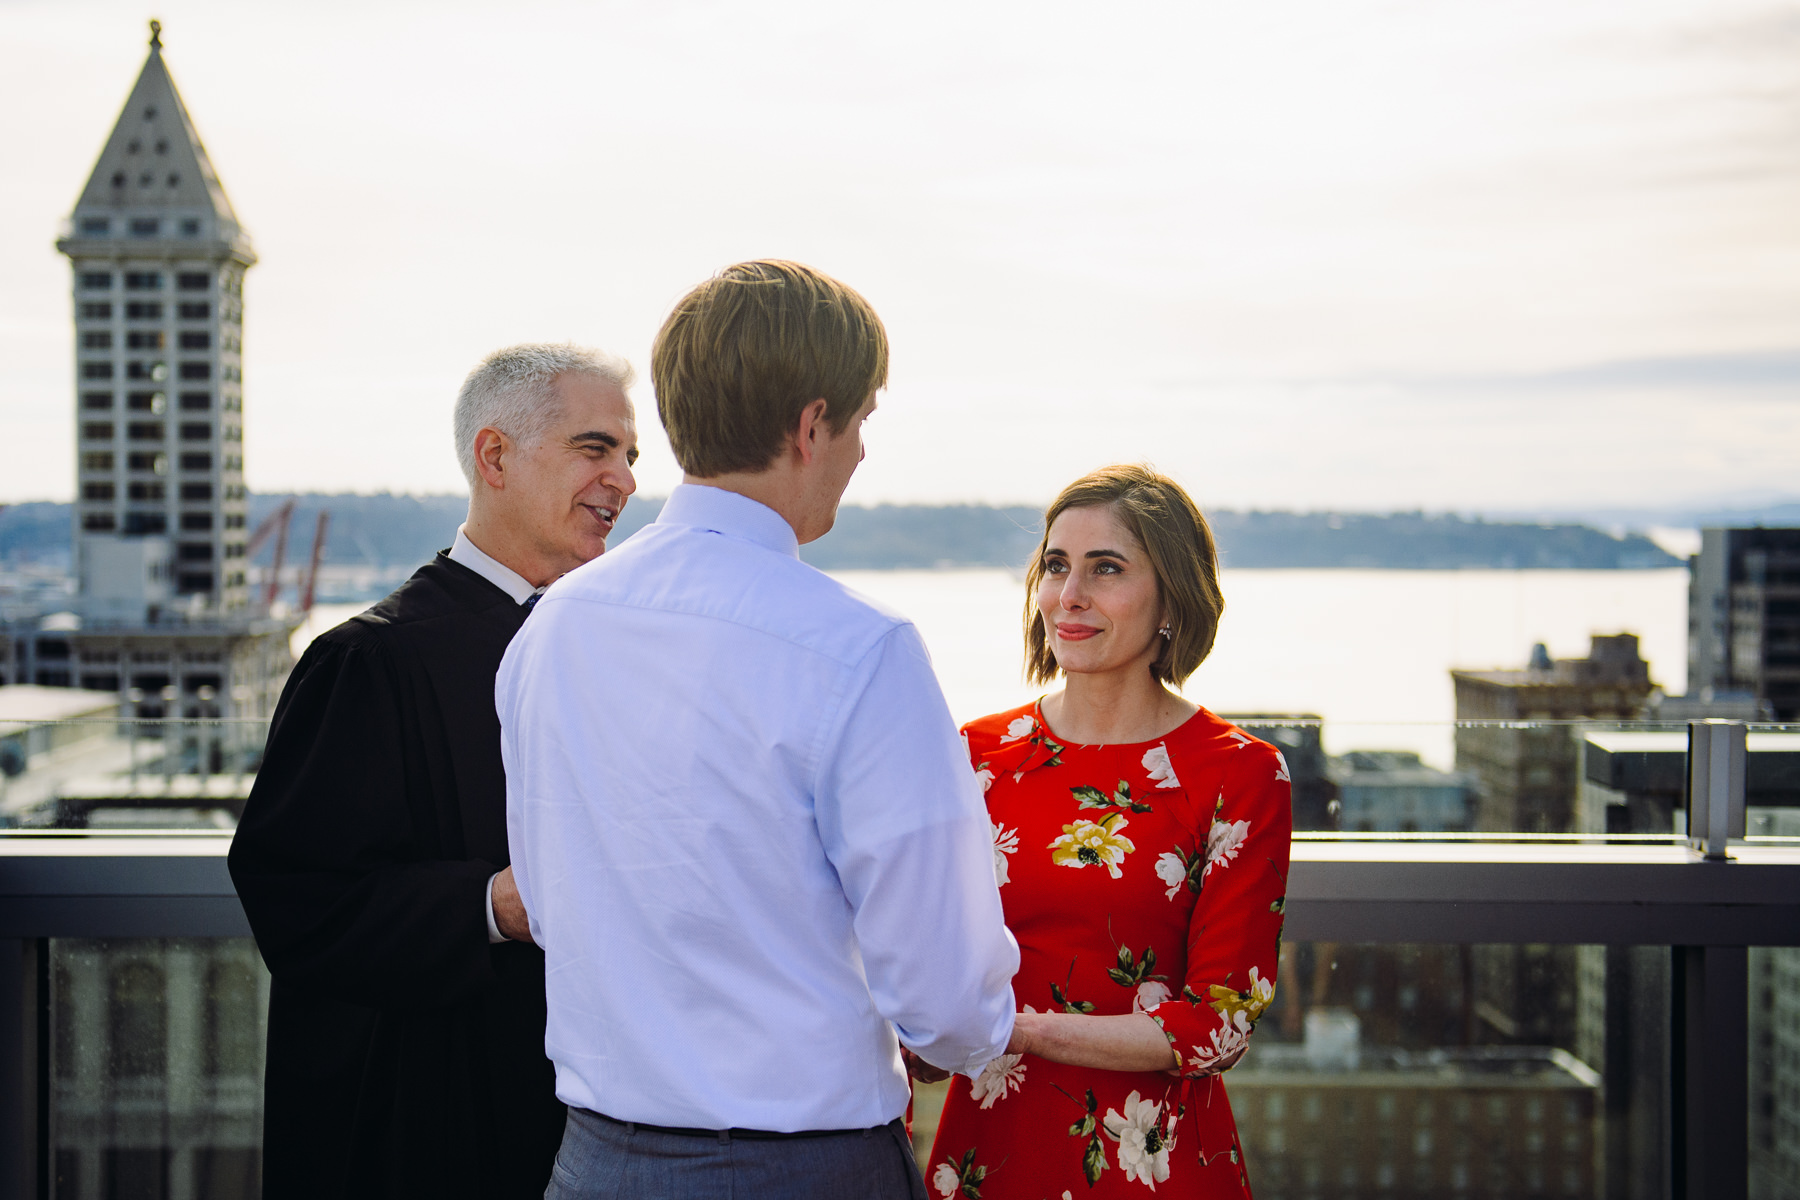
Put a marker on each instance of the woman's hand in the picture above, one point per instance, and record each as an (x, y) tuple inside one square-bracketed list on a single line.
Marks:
[(1129, 1042), (921, 1070)]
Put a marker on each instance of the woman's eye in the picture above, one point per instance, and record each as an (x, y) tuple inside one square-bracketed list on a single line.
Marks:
[(1055, 568)]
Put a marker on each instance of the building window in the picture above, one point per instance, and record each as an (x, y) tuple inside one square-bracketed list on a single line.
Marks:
[(196, 312), (144, 339), (150, 402), (196, 522), (100, 460), (196, 552), (96, 370), (118, 179), (153, 371), (100, 683), (96, 339), (174, 179), (145, 491), (196, 491), (145, 523), (196, 370), (144, 310), (95, 227), (97, 491), (195, 431), (193, 281), (196, 462), (144, 281), (235, 550), (186, 583), (190, 228), (97, 431), (97, 523), (233, 434), (147, 460), (234, 520), (96, 311), (145, 226), (144, 179), (145, 431), (96, 281), (133, 146), (196, 401), (196, 341), (96, 400)]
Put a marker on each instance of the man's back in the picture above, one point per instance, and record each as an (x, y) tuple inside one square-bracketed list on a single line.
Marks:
[(747, 836)]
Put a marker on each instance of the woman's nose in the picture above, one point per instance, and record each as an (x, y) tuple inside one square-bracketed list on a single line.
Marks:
[(1074, 593)]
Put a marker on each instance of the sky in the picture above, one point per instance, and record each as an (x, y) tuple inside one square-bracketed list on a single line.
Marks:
[(1301, 254)]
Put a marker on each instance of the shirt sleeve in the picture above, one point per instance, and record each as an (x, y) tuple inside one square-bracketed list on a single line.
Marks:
[(1234, 935), (902, 821), (328, 860)]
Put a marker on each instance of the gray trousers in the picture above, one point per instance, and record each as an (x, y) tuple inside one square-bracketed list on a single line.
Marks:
[(603, 1159)]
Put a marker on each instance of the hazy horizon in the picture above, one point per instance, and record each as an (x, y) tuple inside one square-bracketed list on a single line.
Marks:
[(1359, 256)]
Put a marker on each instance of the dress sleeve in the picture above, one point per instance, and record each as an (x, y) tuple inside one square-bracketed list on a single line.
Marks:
[(1234, 935), (328, 859)]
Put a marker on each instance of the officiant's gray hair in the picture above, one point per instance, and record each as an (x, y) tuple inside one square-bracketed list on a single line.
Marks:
[(514, 390)]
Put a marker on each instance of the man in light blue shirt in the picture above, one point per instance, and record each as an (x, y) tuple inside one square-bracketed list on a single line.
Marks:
[(741, 819)]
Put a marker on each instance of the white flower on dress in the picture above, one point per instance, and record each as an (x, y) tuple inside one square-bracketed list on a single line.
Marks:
[(1242, 739), (1281, 769), (985, 778), (946, 1180), (1172, 871), (1223, 841), (1144, 1142), (1150, 993), (1227, 1041), (1156, 761), (1006, 841), (1004, 1074), (1020, 727)]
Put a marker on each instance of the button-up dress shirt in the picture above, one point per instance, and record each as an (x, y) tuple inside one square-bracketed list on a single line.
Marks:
[(747, 835), (466, 552)]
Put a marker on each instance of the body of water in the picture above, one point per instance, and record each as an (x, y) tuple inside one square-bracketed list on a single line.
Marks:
[(1369, 651)]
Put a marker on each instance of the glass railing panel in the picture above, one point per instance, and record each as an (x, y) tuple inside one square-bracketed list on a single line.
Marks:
[(121, 774), (156, 1065), (1774, 1020), (1408, 780), (1460, 1070)]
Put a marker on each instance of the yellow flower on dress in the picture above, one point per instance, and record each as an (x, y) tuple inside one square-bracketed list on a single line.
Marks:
[(1093, 843), (1243, 1009)]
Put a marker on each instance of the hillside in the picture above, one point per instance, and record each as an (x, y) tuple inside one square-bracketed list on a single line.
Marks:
[(393, 531)]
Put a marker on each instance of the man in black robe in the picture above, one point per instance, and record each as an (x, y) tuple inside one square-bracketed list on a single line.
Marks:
[(406, 1012)]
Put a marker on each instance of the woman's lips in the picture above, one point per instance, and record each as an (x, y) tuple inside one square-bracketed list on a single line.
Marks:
[(1075, 633)]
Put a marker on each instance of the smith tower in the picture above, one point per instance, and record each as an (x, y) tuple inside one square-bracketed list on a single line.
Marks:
[(158, 258)]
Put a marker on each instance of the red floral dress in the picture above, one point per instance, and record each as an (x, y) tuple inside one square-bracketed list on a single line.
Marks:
[(1144, 878)]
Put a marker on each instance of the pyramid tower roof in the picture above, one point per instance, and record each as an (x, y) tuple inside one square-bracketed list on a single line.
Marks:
[(155, 161)]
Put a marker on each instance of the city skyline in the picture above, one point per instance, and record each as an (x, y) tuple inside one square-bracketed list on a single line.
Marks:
[(1382, 258)]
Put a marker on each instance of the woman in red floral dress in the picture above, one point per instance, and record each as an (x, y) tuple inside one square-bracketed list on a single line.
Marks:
[(1141, 847)]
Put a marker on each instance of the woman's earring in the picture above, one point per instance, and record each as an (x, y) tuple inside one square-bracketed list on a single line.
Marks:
[(1164, 631)]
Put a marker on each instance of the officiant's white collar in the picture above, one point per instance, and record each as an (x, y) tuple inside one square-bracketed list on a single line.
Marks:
[(491, 569)]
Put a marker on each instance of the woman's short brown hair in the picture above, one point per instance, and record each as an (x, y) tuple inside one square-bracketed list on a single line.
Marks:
[(1179, 544), (744, 353)]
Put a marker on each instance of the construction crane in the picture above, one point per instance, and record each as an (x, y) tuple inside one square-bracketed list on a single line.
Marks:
[(318, 552), (276, 525)]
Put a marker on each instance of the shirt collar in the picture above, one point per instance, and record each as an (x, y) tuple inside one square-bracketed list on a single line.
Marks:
[(729, 513), (494, 571)]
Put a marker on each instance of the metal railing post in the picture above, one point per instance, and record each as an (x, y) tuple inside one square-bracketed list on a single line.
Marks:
[(21, 1150), (1711, 1018), (1718, 758)]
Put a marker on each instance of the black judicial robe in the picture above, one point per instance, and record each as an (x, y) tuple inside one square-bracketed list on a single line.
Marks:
[(405, 1053)]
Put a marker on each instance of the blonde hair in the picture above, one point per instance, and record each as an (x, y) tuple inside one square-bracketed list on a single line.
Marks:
[(744, 353), (1175, 538)]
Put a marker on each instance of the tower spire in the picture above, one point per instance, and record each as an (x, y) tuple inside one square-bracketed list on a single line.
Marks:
[(155, 34)]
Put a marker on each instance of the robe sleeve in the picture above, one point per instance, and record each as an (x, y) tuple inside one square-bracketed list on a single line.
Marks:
[(1234, 935), (328, 859)]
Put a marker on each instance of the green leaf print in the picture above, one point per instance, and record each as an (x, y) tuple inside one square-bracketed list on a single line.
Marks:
[(1087, 796), (1068, 1005), (1132, 971)]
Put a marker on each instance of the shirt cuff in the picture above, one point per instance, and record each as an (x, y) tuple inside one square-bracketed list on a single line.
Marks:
[(494, 934)]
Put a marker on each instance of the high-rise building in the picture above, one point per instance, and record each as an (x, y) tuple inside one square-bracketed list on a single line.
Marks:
[(1527, 775), (163, 616), (158, 260), (1744, 617)]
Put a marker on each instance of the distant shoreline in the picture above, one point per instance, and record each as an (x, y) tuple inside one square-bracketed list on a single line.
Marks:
[(386, 532)]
